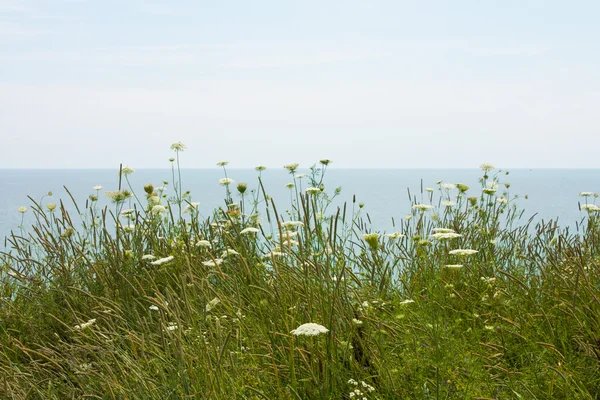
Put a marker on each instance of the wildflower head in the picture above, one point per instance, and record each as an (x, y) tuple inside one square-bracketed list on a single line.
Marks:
[(222, 163), (203, 243), (422, 207), (309, 329), (149, 188), (226, 181), (445, 235), (162, 260), (462, 187), (22, 209), (313, 190), (589, 207), (97, 187), (85, 324), (241, 187), (178, 146), (463, 252), (325, 162), (158, 209), (119, 196), (260, 168), (212, 304), (372, 240), (487, 167), (127, 170), (51, 206), (291, 167)]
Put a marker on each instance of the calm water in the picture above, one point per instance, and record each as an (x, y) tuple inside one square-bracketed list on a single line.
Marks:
[(552, 193)]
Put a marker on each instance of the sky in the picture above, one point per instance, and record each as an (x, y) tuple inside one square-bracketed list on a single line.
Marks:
[(367, 84)]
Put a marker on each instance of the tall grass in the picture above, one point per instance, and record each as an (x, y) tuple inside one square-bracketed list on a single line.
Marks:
[(147, 299)]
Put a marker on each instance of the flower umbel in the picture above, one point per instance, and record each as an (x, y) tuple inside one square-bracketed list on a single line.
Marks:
[(309, 329), (178, 146)]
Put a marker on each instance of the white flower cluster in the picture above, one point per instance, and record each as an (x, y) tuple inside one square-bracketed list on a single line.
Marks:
[(357, 392), (85, 324), (463, 252), (162, 260), (309, 329)]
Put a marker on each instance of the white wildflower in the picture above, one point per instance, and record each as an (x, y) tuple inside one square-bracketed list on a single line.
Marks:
[(22, 209), (422, 207), (127, 170), (229, 252), (448, 186), (162, 260), (172, 326), (178, 146), (212, 304), (158, 209), (501, 200), (428, 189), (463, 252), (448, 203), (148, 257), (226, 181), (97, 187), (442, 230), (586, 194), (275, 254), (589, 207), (309, 329), (213, 263), (153, 307), (487, 167), (250, 230), (407, 301), (491, 184), (445, 235), (85, 324), (289, 224), (453, 266), (203, 243), (313, 190)]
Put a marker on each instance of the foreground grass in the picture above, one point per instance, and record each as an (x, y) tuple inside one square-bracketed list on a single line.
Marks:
[(169, 304)]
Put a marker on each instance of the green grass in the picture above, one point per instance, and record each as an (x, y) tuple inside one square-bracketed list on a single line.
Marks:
[(83, 315)]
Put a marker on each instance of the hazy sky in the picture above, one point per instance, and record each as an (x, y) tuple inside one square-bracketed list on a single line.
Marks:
[(89, 84)]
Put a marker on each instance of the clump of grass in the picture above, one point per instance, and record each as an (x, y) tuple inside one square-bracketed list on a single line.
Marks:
[(148, 299)]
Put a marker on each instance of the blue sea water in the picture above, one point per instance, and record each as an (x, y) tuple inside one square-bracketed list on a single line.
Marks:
[(551, 193)]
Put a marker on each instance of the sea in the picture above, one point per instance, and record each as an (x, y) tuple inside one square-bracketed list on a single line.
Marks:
[(543, 193)]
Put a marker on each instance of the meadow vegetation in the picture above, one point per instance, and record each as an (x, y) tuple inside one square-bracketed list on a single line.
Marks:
[(297, 298)]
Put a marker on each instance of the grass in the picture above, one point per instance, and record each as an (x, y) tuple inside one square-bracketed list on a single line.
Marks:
[(83, 314)]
